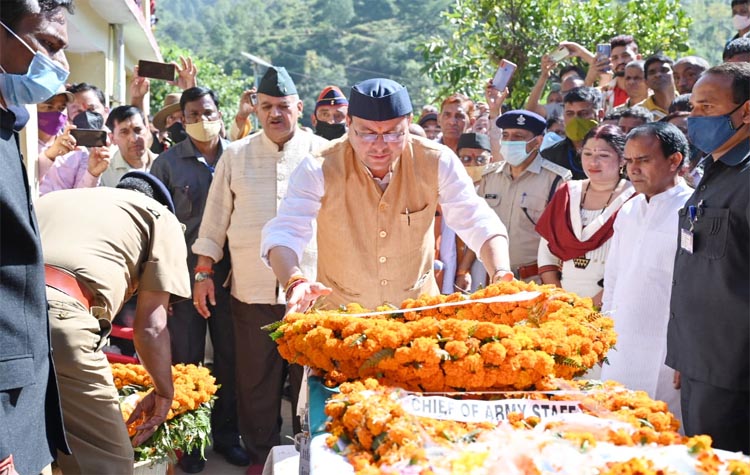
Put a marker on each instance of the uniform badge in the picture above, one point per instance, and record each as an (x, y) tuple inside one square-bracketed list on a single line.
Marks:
[(521, 120)]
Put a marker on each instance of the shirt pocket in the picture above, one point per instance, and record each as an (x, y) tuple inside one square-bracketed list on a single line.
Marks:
[(183, 203), (710, 231), (533, 207)]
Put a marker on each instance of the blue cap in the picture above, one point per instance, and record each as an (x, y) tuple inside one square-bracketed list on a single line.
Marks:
[(379, 99), (161, 193), (522, 119)]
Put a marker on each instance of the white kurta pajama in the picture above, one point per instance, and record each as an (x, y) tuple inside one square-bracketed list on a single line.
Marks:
[(637, 289)]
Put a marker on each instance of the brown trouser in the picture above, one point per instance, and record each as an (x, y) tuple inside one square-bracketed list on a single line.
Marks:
[(260, 379), (91, 411)]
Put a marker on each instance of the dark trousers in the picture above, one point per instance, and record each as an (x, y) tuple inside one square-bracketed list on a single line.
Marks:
[(721, 413), (188, 334), (260, 379)]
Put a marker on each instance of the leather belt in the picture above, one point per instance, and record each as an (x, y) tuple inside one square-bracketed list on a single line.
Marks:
[(524, 272), (67, 283)]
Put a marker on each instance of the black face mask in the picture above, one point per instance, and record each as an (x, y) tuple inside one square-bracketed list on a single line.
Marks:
[(88, 120), (176, 132), (330, 131)]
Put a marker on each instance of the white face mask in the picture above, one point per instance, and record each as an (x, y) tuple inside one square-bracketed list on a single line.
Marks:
[(204, 131), (740, 22), (514, 152)]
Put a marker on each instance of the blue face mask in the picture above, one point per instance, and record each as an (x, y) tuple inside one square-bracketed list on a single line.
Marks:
[(710, 133), (43, 79)]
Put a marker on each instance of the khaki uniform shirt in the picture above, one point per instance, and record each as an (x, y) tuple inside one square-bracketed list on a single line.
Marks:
[(520, 202), (118, 167), (249, 184), (116, 242)]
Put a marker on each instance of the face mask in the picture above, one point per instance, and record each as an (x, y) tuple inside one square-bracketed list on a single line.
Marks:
[(577, 128), (710, 133), (176, 132), (51, 122), (330, 131), (88, 120), (475, 172), (204, 131), (550, 139), (41, 81), (514, 152), (554, 109), (740, 22)]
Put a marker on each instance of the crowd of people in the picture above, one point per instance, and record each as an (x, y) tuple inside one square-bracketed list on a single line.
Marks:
[(628, 182)]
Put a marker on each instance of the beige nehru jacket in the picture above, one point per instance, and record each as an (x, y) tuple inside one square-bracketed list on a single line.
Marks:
[(249, 184), (520, 201), (115, 241), (377, 246)]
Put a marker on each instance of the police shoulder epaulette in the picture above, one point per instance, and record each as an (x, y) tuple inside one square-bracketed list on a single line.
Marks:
[(556, 169), (491, 168)]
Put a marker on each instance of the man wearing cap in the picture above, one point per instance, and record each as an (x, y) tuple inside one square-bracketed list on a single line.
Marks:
[(329, 118), (249, 183), (169, 121), (462, 270), (186, 169), (519, 187), (125, 242), (374, 197), (429, 122)]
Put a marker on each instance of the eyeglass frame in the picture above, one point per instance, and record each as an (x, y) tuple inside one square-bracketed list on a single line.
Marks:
[(387, 138)]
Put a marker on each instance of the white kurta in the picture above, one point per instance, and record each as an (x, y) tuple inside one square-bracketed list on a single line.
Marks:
[(637, 289)]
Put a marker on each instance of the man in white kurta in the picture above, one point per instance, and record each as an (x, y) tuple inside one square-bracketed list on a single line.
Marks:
[(248, 185), (638, 272)]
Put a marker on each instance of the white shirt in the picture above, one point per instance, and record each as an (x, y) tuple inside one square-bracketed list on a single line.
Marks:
[(637, 290), (463, 210)]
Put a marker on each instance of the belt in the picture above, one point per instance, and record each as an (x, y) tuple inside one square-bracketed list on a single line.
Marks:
[(67, 283), (524, 272)]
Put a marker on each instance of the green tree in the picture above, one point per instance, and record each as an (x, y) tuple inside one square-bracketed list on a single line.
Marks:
[(485, 31)]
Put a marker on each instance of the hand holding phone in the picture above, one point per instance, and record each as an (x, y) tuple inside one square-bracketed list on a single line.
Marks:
[(89, 137), (152, 69), (504, 73), (603, 52), (559, 54)]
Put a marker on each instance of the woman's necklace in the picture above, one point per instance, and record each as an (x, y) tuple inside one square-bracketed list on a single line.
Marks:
[(583, 200)]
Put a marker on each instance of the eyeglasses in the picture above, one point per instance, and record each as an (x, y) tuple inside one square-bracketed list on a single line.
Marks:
[(387, 138), (480, 160)]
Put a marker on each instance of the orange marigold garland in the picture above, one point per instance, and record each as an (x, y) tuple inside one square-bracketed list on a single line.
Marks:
[(377, 435), (478, 346), (188, 423)]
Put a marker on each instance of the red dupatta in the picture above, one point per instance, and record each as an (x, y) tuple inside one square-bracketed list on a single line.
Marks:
[(555, 226)]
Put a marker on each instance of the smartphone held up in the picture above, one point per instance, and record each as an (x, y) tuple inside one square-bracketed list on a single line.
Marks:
[(154, 70), (559, 54), (503, 75)]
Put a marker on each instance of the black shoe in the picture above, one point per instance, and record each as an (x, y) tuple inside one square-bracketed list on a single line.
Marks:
[(233, 454), (192, 462)]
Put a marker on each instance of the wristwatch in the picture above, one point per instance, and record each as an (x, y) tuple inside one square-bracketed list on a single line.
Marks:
[(201, 276)]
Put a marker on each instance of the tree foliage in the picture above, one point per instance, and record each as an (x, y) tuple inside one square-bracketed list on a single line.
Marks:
[(320, 42), (485, 31)]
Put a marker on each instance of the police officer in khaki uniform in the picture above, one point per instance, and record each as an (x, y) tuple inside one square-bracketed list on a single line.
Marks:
[(519, 187), (102, 245)]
